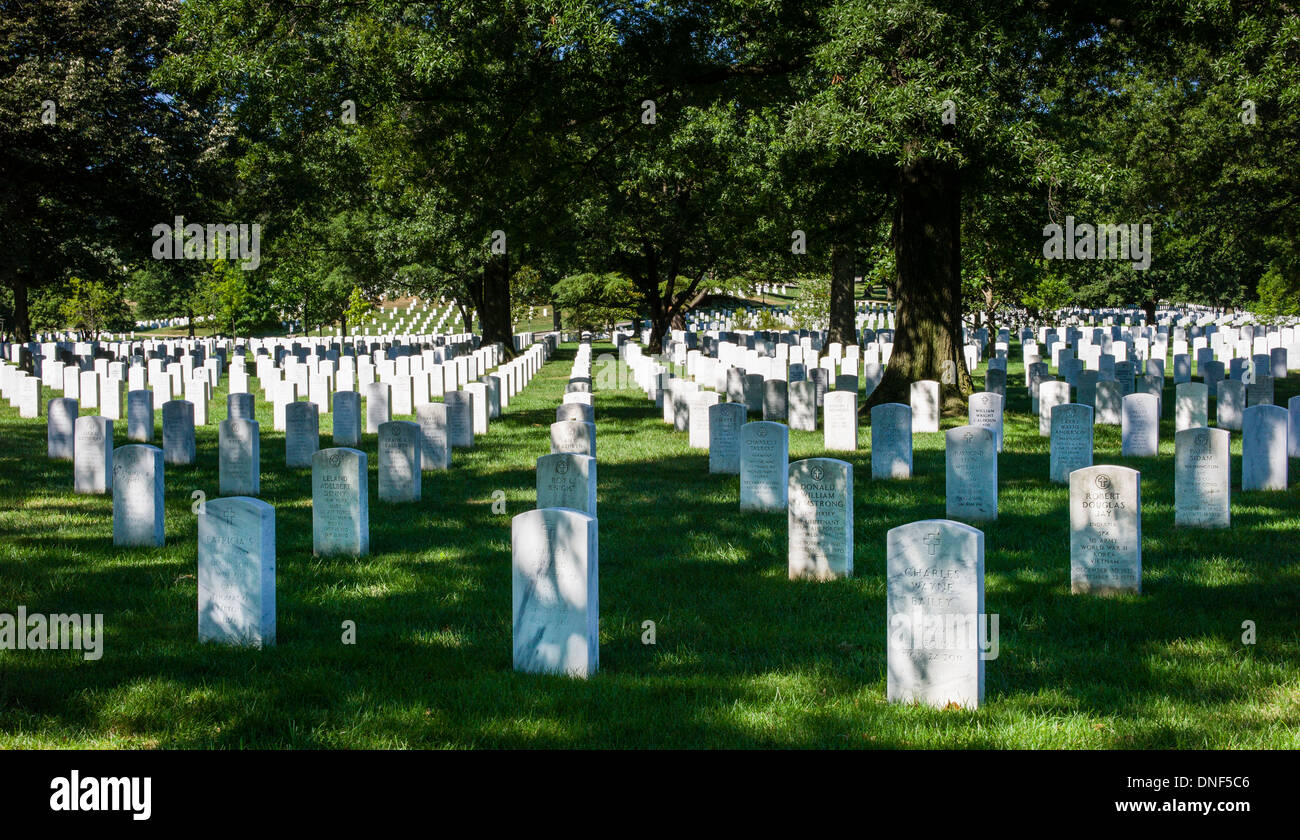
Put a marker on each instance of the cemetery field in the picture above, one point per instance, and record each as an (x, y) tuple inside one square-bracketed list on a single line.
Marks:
[(743, 657)]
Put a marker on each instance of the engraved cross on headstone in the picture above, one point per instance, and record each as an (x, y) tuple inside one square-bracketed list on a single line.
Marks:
[(932, 540)]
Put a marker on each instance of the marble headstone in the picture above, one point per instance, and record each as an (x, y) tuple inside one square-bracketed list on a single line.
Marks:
[(820, 517), (239, 456), (1109, 404), (803, 405), (460, 418), (574, 437), (139, 416), (1202, 489), (935, 608), (137, 495), (984, 409), (178, 432), (925, 406), (301, 433), (435, 440), (775, 400), (347, 418), (697, 426), (1071, 444), (840, 421), (1191, 405), (241, 406), (971, 486), (1229, 404), (1264, 448), (399, 461), (566, 480), (555, 593), (60, 428), (725, 422), (1140, 428), (1105, 530), (236, 572), (378, 405), (92, 456), (340, 502), (764, 463), (891, 441)]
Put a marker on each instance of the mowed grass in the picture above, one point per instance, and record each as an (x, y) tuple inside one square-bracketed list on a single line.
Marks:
[(744, 657)]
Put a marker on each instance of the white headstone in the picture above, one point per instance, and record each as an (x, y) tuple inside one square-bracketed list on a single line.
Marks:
[(1191, 406), (725, 422), (1071, 444), (820, 518), (555, 603), (1202, 490), (573, 437), (347, 418), (935, 605), (60, 428), (567, 480), (1105, 530), (984, 409), (236, 571), (435, 440), (460, 418), (399, 461), (1140, 427), (764, 464), (1263, 448), (301, 434), (178, 432), (891, 441), (971, 486), (239, 456), (925, 406), (137, 495), (340, 502), (92, 457)]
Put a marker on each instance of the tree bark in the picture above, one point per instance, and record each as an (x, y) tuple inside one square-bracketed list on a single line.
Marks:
[(668, 306), (927, 249), (494, 309), (555, 316), (843, 326), (990, 316), (22, 315), (1149, 307)]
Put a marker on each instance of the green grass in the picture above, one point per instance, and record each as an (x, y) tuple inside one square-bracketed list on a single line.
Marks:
[(744, 657)]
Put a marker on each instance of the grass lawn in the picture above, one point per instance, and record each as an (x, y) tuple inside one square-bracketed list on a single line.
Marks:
[(744, 657)]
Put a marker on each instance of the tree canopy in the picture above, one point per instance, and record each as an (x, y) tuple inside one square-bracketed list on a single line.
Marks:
[(516, 154)]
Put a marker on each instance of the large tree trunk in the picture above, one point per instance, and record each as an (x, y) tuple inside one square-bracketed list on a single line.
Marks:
[(1150, 308), (990, 315), (467, 322), (494, 308), (555, 316), (648, 285), (22, 316), (927, 249), (668, 306), (658, 332), (843, 327)]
